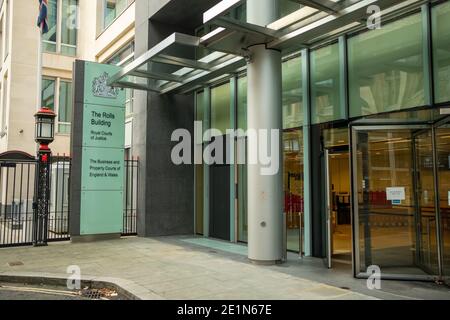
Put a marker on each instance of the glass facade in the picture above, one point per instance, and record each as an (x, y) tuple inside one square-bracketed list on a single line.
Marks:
[(292, 93), (293, 186), (220, 107), (386, 77), (326, 85), (386, 68), (441, 51)]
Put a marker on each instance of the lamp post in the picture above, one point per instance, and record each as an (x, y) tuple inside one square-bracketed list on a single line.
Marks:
[(44, 135)]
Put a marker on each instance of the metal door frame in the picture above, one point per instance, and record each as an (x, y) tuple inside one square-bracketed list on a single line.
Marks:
[(329, 230), (355, 205)]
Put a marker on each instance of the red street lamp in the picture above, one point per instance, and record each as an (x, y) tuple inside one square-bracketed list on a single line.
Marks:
[(45, 128)]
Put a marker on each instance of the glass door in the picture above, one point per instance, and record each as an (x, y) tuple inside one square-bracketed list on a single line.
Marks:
[(391, 230), (328, 212), (427, 252), (442, 144)]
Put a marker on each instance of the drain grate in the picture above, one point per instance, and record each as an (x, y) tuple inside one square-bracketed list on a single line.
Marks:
[(98, 294)]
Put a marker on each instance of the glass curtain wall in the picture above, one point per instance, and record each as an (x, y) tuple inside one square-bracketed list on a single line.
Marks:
[(292, 96), (443, 154), (326, 85), (386, 69), (292, 93), (220, 107), (441, 51)]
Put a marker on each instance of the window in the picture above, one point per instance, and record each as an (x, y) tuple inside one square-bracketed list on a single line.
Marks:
[(62, 25), (441, 51), (68, 28), (48, 93), (57, 95), (326, 85), (292, 93), (386, 69), (112, 9), (65, 106)]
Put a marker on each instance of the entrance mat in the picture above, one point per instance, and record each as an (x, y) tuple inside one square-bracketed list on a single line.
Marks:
[(219, 245)]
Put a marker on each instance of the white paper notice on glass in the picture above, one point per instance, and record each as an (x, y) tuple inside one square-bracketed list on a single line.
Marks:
[(396, 194)]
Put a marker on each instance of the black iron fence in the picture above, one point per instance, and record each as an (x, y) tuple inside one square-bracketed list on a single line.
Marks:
[(17, 172), (130, 201), (58, 220), (17, 198)]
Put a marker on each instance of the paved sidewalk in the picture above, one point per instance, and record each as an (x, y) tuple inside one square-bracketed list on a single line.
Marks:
[(170, 268)]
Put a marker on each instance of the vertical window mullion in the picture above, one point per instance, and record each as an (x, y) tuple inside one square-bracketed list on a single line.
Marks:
[(59, 25), (57, 89)]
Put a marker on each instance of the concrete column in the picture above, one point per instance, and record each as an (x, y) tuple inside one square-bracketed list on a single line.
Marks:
[(265, 192)]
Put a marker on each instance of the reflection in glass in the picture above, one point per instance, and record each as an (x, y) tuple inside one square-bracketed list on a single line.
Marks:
[(441, 51), (325, 85), (220, 107), (69, 27), (292, 93), (388, 217), (394, 78), (443, 151), (65, 107), (50, 37), (48, 93), (425, 218), (293, 186)]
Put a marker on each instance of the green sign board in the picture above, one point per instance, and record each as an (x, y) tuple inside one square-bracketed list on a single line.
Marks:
[(102, 149)]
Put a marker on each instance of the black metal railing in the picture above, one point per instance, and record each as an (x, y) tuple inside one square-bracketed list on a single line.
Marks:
[(16, 201), (58, 220), (130, 194), (17, 198)]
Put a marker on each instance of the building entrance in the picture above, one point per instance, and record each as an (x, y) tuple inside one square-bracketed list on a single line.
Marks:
[(400, 200), (339, 205)]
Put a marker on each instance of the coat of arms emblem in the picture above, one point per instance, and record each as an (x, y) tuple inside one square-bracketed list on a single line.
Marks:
[(101, 89)]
